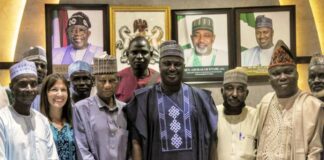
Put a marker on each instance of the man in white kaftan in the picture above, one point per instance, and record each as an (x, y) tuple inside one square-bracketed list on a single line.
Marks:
[(237, 123), (25, 133)]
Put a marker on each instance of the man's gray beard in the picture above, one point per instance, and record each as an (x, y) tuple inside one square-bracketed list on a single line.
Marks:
[(319, 94), (201, 51)]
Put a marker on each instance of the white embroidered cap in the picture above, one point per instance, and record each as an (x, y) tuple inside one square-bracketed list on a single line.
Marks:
[(23, 67)]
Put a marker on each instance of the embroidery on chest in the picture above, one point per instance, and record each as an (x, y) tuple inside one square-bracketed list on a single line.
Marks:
[(174, 122)]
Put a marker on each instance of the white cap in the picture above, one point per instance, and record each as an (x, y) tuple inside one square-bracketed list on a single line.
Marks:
[(23, 67)]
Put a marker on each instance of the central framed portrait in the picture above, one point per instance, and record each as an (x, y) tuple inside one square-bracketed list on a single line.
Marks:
[(127, 22), (206, 39)]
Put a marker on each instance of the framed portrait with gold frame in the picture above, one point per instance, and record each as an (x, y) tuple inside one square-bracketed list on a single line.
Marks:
[(257, 31), (127, 22)]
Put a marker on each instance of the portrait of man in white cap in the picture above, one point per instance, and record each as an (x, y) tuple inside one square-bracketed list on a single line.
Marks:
[(260, 55), (203, 38), (78, 33)]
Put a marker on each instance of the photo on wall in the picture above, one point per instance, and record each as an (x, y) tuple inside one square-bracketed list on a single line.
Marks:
[(205, 38), (258, 30), (75, 32)]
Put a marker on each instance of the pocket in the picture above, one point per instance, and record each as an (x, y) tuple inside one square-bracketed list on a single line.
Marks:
[(249, 150)]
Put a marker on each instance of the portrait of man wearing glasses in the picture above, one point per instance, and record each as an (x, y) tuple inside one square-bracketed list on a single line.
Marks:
[(78, 32)]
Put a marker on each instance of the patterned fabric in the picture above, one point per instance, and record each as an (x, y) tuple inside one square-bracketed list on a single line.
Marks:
[(79, 66), (175, 126), (79, 18), (104, 64), (235, 76), (281, 55), (144, 121), (276, 136), (22, 67), (64, 142), (204, 23), (170, 48)]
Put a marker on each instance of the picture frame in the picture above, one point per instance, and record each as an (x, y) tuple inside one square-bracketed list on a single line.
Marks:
[(215, 55), (127, 22), (254, 52), (66, 43)]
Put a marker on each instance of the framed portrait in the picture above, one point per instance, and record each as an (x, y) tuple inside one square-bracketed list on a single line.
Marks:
[(206, 39), (75, 32), (257, 31), (127, 22)]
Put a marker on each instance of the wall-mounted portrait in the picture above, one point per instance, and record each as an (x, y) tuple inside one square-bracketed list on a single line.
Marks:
[(75, 32), (205, 38), (258, 30), (128, 22)]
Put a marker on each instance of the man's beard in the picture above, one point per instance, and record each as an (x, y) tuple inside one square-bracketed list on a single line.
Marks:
[(201, 51)]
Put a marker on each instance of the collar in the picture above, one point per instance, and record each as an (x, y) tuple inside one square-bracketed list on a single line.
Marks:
[(159, 87), (287, 103), (101, 104)]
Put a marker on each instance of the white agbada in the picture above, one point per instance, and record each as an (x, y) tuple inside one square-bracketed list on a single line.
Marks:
[(237, 134), (256, 56), (25, 137)]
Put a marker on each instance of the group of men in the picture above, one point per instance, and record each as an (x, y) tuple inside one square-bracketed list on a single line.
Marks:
[(141, 113)]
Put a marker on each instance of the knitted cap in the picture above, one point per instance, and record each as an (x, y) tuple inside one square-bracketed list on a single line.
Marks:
[(35, 53), (317, 59), (170, 48), (79, 66), (281, 55), (23, 67), (79, 18), (262, 21), (104, 65), (235, 75), (205, 23)]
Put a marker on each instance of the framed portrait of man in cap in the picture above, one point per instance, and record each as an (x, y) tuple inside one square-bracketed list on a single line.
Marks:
[(206, 40), (128, 22), (258, 29), (75, 32)]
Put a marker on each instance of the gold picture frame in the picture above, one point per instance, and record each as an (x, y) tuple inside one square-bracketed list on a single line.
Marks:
[(127, 22)]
